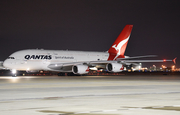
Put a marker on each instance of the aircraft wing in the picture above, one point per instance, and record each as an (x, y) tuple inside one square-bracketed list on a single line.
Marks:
[(145, 56), (59, 66), (138, 61), (84, 66), (124, 61)]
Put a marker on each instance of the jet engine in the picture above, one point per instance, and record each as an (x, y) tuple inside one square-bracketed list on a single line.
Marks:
[(114, 67), (80, 69)]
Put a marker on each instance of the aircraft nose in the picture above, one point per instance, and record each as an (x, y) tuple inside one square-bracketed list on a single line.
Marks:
[(6, 64)]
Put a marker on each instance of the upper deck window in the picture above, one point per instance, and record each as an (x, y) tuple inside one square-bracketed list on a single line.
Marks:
[(11, 58)]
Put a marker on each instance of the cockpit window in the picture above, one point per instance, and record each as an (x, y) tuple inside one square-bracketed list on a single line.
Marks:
[(11, 58)]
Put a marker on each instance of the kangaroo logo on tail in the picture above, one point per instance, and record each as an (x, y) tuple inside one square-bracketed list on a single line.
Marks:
[(118, 48)]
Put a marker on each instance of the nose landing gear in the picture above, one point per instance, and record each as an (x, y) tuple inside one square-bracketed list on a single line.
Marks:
[(14, 73)]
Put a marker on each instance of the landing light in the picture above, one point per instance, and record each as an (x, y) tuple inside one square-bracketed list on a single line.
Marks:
[(13, 71)]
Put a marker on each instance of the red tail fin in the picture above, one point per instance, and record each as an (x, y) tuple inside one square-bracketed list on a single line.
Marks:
[(119, 46)]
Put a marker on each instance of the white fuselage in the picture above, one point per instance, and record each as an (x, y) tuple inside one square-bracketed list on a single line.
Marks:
[(35, 59), (78, 62)]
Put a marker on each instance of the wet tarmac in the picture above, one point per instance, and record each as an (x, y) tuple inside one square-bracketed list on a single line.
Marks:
[(90, 95)]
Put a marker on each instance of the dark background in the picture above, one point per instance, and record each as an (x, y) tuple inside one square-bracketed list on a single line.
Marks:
[(90, 25)]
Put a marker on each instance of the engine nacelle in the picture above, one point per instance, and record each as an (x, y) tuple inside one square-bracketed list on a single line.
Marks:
[(114, 67), (80, 69)]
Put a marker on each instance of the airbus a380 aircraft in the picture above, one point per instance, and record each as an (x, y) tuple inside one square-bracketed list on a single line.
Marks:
[(77, 62)]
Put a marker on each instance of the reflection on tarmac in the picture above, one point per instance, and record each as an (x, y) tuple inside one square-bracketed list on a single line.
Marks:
[(90, 95)]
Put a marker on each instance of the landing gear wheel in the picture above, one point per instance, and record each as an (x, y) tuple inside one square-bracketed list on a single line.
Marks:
[(13, 75)]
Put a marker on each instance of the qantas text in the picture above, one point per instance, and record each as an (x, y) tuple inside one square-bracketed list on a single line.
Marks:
[(49, 57)]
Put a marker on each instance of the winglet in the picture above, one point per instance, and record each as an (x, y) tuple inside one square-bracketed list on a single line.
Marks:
[(174, 60)]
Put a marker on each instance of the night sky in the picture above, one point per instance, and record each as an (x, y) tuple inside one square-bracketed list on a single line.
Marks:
[(90, 25)]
